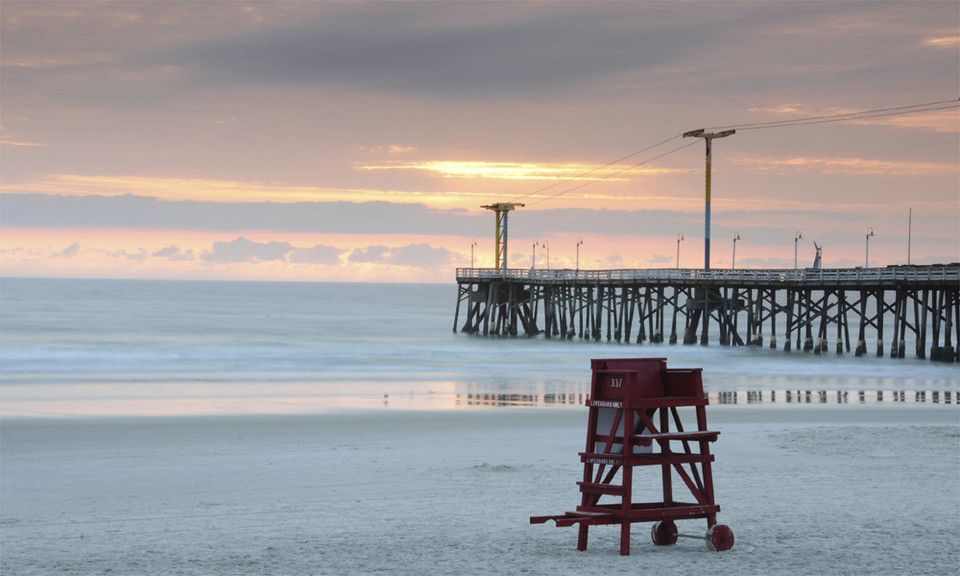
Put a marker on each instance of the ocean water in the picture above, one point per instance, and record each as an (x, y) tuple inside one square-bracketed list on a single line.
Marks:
[(136, 347)]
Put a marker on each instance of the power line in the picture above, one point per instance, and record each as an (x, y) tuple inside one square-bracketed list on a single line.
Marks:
[(848, 116), (824, 119), (799, 123), (591, 171), (612, 174)]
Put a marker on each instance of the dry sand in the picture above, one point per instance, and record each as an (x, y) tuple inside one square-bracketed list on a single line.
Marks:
[(806, 490)]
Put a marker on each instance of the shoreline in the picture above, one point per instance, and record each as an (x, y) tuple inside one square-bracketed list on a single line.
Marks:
[(481, 417), (231, 402)]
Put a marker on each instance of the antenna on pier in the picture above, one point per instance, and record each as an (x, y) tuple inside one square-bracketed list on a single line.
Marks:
[(501, 209)]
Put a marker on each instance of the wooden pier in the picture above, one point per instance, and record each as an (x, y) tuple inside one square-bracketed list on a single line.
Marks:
[(811, 309)]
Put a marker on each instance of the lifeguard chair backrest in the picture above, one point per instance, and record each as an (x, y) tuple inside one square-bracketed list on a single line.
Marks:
[(683, 382), (625, 379)]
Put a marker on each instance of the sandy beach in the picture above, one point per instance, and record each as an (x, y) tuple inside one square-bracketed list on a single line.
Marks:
[(806, 489)]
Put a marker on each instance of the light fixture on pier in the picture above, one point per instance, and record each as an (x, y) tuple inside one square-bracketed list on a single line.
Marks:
[(797, 237), (679, 238), (579, 243), (708, 138), (733, 265), (471, 252), (867, 259)]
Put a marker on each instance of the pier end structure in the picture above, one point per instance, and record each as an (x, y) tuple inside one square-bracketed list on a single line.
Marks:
[(854, 310), (502, 212)]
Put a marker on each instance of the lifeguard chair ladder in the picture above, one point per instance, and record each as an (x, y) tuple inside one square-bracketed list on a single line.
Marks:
[(634, 421)]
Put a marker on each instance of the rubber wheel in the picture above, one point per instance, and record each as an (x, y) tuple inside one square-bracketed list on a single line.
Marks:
[(720, 538), (664, 533)]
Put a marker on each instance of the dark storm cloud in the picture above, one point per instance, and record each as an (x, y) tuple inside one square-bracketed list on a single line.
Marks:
[(446, 48)]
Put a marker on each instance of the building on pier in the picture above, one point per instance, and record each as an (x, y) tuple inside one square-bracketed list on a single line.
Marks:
[(816, 310)]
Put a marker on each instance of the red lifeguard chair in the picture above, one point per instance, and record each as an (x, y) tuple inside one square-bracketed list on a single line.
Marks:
[(635, 426)]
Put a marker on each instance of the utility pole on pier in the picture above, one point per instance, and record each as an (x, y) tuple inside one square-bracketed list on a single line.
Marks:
[(708, 138), (501, 209)]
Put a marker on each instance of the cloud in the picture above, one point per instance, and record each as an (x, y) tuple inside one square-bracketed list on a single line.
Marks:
[(139, 256), (370, 254), (317, 254), (17, 143), (70, 251), (129, 211), (614, 260), (243, 250), (389, 149), (444, 49), (173, 253), (36, 210), (421, 255), (861, 166), (943, 41), (528, 171), (417, 255)]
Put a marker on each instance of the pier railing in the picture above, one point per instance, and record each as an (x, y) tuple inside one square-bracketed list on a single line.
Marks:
[(888, 275)]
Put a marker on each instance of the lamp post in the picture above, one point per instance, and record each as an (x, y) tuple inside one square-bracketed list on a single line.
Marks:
[(533, 266), (796, 238), (579, 243), (736, 237), (545, 244), (679, 238), (869, 234), (708, 138), (471, 252), (909, 233)]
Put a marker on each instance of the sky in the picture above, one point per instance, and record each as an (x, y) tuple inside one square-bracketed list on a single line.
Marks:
[(358, 141)]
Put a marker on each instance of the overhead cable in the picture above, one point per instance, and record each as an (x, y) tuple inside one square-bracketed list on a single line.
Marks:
[(845, 117), (848, 116), (591, 171), (621, 171)]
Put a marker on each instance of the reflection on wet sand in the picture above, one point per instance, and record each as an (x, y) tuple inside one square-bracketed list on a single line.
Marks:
[(734, 397)]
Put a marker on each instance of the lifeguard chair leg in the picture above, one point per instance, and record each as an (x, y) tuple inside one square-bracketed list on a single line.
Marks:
[(582, 537), (625, 538)]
